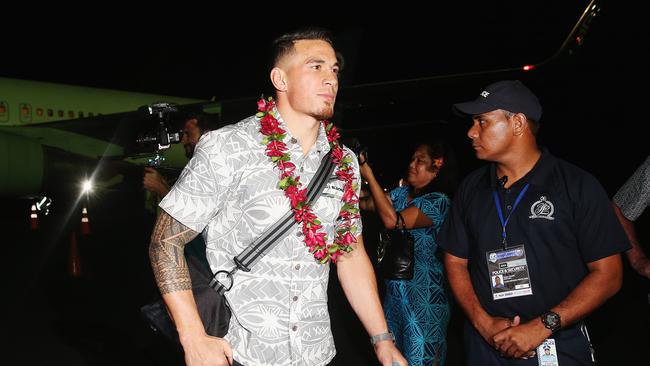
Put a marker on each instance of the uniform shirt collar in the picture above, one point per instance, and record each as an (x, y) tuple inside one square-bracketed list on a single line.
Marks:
[(536, 176)]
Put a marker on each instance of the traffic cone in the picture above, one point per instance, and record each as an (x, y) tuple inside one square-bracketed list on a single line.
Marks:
[(74, 260), (85, 223), (33, 218)]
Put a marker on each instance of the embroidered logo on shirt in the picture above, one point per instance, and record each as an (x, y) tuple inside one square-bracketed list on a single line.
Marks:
[(542, 209)]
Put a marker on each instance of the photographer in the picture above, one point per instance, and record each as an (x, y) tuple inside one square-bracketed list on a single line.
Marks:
[(195, 126)]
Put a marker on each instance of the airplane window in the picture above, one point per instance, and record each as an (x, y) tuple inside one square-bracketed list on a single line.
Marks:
[(60, 113), (39, 112), (50, 112), (25, 112), (4, 112)]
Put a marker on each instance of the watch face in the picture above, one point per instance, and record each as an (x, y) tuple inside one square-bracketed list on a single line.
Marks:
[(551, 320)]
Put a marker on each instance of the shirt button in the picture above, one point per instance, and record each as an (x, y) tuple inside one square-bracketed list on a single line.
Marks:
[(294, 328), (299, 234), (509, 207), (297, 267), (301, 169), (293, 140), (295, 298)]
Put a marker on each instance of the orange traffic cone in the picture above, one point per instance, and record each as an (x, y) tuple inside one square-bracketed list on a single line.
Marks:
[(33, 218), (74, 260), (85, 223)]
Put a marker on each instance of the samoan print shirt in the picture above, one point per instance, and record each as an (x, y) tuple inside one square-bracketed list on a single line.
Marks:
[(229, 191)]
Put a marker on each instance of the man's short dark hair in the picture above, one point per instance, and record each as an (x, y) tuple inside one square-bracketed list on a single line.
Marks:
[(284, 44), (202, 121)]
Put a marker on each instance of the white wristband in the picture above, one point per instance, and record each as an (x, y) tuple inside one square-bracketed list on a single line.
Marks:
[(382, 337)]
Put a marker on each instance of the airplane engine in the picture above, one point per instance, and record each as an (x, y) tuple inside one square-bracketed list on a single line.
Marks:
[(21, 165)]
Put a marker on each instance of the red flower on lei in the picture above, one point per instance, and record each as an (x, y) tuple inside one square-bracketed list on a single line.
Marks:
[(276, 149)]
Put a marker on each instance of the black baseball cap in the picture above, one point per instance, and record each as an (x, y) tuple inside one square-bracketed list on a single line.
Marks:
[(510, 95)]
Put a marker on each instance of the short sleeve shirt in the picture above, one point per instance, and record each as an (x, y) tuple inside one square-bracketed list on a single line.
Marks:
[(576, 226), (229, 190), (633, 197)]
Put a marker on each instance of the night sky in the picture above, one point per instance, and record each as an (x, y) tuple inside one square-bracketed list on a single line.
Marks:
[(209, 54), (224, 55)]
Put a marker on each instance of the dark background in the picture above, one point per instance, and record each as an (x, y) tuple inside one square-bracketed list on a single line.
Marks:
[(594, 116)]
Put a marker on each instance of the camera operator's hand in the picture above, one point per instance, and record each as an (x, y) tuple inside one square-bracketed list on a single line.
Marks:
[(154, 182)]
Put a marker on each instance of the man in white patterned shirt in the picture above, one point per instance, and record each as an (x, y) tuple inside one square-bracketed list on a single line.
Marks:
[(229, 191)]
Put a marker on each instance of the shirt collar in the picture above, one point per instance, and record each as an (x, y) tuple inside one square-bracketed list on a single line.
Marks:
[(322, 145), (536, 176)]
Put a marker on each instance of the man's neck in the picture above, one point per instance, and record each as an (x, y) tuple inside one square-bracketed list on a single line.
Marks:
[(301, 126), (517, 167)]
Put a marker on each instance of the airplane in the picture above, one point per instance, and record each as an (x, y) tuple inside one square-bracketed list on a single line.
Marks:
[(53, 136), (48, 130)]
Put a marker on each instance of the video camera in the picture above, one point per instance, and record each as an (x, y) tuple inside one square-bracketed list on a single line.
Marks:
[(162, 137)]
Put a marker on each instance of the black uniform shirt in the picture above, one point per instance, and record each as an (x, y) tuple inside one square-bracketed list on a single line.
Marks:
[(565, 220)]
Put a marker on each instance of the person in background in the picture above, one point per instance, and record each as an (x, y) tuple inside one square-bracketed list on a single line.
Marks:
[(629, 203), (544, 224), (417, 310), (194, 127)]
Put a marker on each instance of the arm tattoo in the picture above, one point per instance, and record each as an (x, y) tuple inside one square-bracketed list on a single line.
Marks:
[(166, 253)]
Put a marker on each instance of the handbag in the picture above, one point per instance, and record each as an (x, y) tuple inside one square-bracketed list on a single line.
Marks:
[(209, 289), (397, 252)]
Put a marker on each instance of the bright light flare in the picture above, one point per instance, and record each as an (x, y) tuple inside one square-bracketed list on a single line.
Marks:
[(87, 186)]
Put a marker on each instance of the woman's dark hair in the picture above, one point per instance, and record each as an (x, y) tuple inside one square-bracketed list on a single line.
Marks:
[(446, 181)]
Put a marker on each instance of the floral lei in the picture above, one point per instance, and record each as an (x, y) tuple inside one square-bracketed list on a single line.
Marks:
[(276, 149)]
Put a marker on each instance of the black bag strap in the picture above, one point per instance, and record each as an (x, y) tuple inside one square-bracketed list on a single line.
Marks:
[(400, 219), (273, 234)]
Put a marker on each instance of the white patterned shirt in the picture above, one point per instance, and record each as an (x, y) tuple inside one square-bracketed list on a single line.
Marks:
[(634, 196), (230, 189)]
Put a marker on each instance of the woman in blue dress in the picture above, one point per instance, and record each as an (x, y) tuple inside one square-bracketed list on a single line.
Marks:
[(417, 310)]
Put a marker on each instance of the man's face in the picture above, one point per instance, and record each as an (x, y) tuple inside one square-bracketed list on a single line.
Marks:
[(491, 134), (191, 135), (311, 78)]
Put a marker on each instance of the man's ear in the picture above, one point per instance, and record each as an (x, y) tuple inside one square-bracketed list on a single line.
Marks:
[(519, 124), (279, 79)]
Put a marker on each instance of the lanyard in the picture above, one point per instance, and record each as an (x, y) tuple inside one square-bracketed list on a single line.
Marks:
[(504, 223)]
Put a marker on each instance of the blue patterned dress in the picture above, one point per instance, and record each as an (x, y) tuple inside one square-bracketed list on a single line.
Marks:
[(417, 310)]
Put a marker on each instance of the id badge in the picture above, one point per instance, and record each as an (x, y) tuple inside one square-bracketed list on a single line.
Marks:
[(508, 271), (547, 354)]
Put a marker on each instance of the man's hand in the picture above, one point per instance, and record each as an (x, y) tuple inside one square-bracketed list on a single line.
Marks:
[(520, 341), (207, 351), (493, 325), (388, 354), (154, 182)]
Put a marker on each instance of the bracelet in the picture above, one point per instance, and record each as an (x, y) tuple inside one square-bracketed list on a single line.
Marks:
[(382, 337)]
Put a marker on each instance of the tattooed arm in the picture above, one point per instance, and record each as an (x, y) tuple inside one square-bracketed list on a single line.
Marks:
[(166, 253)]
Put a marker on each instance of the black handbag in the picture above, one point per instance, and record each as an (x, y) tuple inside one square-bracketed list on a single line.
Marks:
[(397, 252), (209, 289)]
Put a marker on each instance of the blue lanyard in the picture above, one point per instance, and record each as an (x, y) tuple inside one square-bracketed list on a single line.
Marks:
[(504, 223)]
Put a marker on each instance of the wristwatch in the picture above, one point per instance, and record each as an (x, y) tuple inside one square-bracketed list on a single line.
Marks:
[(551, 320), (382, 337)]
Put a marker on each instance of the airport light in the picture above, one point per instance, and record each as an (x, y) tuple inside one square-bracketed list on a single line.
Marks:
[(87, 186)]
